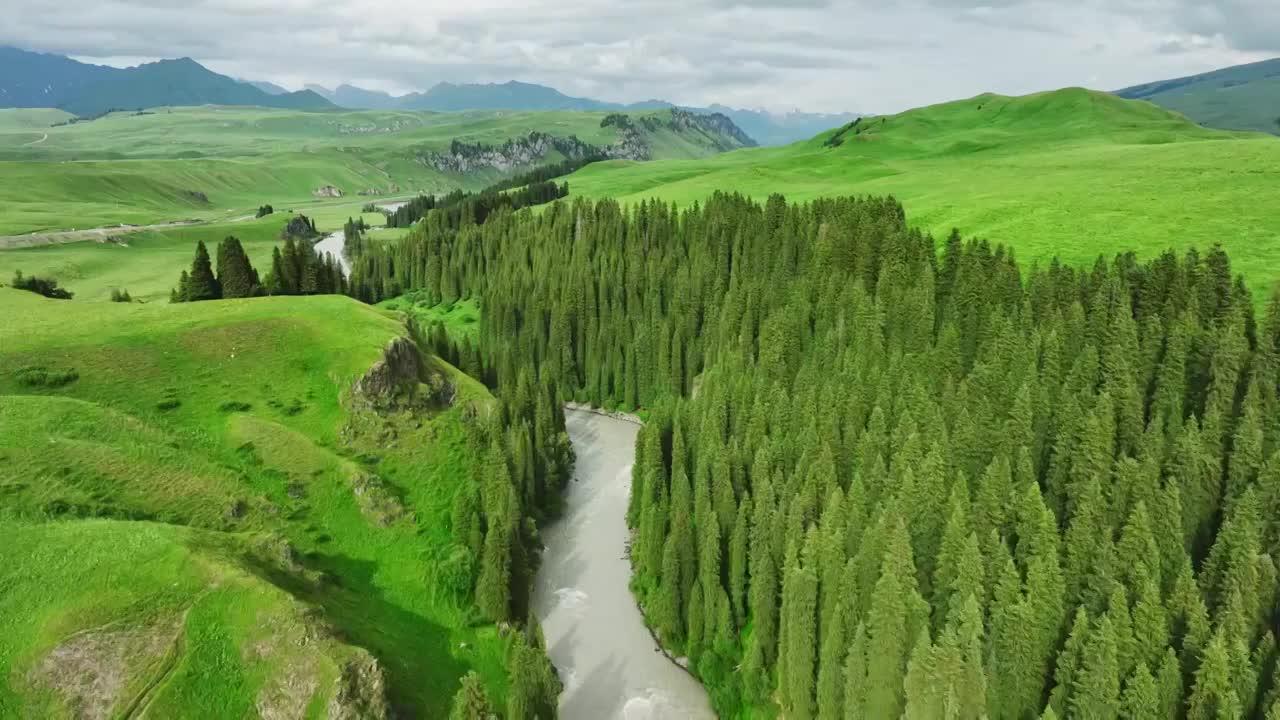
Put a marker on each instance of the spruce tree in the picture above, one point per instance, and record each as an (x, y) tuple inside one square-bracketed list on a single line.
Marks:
[(236, 275), (201, 283), (471, 702)]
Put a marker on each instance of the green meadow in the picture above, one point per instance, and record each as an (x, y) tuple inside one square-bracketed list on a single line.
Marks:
[(1071, 173), (220, 162), (195, 514)]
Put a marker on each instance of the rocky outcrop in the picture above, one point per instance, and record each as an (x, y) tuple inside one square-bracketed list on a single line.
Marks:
[(401, 380), (327, 191), (632, 143), (299, 226), (721, 130), (463, 157), (397, 372), (362, 691)]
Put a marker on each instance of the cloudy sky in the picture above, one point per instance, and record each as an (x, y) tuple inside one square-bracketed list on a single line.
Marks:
[(817, 55)]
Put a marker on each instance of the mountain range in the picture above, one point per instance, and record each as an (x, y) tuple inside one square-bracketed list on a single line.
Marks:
[(30, 79), (764, 127), (1243, 97)]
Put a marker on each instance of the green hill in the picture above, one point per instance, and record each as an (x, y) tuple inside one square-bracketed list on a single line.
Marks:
[(202, 517), (1243, 97), (208, 162), (1071, 173)]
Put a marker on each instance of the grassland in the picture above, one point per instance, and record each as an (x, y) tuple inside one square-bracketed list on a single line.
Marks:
[(1071, 173), (215, 162), (187, 518), (147, 263)]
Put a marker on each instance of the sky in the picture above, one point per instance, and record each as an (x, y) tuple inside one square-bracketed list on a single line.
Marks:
[(816, 55)]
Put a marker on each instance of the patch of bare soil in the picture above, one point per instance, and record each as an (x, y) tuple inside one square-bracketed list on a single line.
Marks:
[(92, 670)]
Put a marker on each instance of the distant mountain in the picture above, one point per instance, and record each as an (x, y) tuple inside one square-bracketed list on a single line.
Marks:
[(37, 80), (269, 88), (783, 129), (765, 128), (350, 96), (506, 96), (30, 79), (1244, 97)]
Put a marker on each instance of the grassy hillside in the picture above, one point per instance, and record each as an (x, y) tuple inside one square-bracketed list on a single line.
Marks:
[(148, 263), (1071, 173), (1244, 97), (178, 163), (196, 515)]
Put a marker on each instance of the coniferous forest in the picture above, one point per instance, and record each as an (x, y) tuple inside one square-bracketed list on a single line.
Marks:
[(886, 477)]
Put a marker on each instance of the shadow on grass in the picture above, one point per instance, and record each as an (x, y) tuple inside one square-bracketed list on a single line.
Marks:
[(414, 651)]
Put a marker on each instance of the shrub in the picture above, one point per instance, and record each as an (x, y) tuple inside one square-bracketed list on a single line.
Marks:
[(168, 404), (47, 287), (120, 295), (45, 377), (235, 406), (265, 210)]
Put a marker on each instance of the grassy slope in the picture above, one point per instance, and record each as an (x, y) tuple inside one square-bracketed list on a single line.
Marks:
[(1071, 173), (113, 444), (1244, 97), (148, 263), (141, 168)]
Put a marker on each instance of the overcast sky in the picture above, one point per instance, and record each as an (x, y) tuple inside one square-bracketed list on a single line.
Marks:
[(818, 55)]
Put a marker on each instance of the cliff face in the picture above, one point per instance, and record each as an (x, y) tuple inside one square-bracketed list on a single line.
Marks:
[(715, 124), (715, 132), (520, 153)]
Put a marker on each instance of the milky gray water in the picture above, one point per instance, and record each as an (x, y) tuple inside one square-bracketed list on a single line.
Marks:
[(596, 637), (333, 243)]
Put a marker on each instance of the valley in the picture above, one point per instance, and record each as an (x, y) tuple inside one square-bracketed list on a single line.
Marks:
[(492, 402)]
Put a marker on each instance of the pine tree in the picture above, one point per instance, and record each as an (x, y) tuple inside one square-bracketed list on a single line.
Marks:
[(897, 614), (855, 676), (471, 702), (236, 275), (201, 284), (493, 588), (1141, 698), (1096, 690), (799, 607), (831, 667), (1213, 696)]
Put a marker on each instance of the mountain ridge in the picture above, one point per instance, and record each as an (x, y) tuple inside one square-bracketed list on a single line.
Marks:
[(764, 127), (29, 79), (1240, 97)]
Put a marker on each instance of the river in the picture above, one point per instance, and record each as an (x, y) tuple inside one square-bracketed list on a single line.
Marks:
[(610, 664), (333, 243)]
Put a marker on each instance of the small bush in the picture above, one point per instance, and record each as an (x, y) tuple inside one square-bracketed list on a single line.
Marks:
[(47, 287), (168, 404), (120, 295), (265, 210), (235, 406), (45, 377)]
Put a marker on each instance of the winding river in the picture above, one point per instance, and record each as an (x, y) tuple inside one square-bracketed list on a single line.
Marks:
[(333, 243), (610, 664)]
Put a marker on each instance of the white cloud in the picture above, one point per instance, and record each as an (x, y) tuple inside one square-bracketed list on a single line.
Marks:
[(826, 55)]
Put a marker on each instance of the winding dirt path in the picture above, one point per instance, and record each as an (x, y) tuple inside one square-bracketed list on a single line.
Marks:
[(37, 142), (9, 242)]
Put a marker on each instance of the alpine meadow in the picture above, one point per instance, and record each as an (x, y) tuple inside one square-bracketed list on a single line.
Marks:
[(448, 394)]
